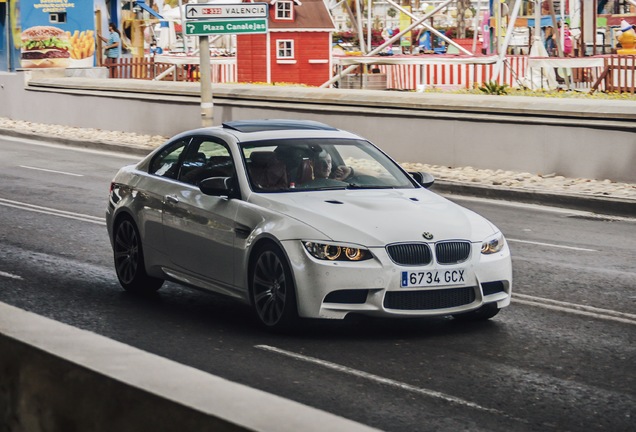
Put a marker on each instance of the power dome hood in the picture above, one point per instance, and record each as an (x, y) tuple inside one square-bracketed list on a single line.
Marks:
[(379, 217)]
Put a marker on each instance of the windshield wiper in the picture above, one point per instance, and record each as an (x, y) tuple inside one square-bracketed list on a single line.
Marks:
[(332, 188)]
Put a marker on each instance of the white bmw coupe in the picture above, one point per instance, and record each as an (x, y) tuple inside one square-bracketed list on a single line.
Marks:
[(302, 220)]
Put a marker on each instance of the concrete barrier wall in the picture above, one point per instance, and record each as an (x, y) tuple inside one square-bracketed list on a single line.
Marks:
[(570, 137), (57, 378)]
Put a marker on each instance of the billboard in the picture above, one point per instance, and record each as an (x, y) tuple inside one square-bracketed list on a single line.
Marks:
[(54, 33)]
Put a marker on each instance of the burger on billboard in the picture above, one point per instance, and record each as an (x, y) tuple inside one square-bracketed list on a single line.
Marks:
[(45, 47)]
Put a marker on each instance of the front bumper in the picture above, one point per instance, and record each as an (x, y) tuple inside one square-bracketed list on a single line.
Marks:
[(328, 289)]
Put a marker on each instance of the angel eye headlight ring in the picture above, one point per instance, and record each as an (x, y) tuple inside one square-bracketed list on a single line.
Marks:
[(331, 252), (334, 252), (354, 254), (492, 244)]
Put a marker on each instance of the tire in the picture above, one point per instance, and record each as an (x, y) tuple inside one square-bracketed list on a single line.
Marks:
[(272, 289), (484, 313), (129, 260)]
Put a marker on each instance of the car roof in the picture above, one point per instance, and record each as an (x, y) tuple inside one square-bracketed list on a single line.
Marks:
[(247, 126), (257, 130)]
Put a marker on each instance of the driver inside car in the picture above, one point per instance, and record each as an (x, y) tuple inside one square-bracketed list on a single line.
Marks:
[(323, 168)]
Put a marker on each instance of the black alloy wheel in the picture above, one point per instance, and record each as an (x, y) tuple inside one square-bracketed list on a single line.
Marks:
[(272, 289), (129, 260)]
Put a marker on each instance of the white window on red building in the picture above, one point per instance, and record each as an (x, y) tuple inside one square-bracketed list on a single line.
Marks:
[(284, 10), (284, 49)]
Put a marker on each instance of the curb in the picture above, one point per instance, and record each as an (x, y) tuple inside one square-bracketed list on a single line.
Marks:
[(72, 142), (594, 204), (56, 377)]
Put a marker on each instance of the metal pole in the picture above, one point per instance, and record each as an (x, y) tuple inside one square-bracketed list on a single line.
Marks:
[(430, 28), (582, 44), (594, 11), (497, 6), (559, 40), (363, 45), (477, 26), (183, 36), (555, 26), (504, 47), (205, 77), (370, 5), (537, 22), (388, 42), (352, 16)]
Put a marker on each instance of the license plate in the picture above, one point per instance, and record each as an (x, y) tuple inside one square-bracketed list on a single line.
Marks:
[(433, 278)]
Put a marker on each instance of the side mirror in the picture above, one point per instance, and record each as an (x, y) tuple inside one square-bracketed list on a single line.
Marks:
[(217, 186), (424, 179)]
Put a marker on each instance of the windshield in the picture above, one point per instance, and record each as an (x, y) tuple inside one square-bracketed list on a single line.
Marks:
[(309, 164)]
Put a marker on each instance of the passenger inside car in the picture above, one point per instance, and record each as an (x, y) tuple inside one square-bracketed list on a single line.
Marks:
[(267, 172)]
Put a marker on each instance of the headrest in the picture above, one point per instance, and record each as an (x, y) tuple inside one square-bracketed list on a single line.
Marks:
[(291, 153), (263, 157)]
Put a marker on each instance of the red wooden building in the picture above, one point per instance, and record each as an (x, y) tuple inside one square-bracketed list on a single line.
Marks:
[(296, 49)]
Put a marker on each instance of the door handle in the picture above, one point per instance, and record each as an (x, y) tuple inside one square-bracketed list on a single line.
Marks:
[(172, 199)]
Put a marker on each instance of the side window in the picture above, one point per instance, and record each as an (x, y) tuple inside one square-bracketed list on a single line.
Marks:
[(284, 10), (285, 49), (206, 159), (167, 162)]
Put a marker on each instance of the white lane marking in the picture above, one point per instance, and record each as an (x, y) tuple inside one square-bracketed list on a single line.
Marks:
[(516, 204), (590, 311), (51, 171), (53, 212), (114, 153), (551, 245), (381, 380), (538, 207), (10, 276)]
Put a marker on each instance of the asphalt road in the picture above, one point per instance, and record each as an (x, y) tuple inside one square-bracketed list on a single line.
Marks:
[(560, 358)]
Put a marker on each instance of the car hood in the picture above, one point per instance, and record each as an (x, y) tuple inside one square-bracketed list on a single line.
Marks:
[(379, 217)]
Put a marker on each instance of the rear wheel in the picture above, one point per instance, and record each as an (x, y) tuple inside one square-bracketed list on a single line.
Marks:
[(129, 260), (272, 289), (485, 312)]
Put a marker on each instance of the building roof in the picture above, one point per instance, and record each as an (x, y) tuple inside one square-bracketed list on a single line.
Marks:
[(310, 15)]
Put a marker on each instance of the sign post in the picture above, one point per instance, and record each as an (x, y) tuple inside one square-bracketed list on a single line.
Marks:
[(207, 103), (205, 19)]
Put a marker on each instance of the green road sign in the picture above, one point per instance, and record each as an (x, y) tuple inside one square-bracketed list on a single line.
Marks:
[(255, 25)]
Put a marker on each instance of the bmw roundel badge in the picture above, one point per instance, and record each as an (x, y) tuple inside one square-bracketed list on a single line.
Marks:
[(427, 235)]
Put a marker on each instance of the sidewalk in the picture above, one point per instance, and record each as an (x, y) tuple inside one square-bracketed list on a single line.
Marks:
[(597, 196)]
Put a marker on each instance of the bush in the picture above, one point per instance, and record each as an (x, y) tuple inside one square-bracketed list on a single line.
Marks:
[(494, 88)]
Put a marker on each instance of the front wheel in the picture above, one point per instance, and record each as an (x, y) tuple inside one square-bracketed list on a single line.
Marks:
[(129, 260), (484, 313), (272, 289)]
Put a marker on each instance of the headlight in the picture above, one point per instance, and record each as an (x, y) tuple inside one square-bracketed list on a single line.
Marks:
[(334, 252), (492, 244)]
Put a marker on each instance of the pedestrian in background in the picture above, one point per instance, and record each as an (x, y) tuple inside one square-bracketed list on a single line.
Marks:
[(112, 49), (550, 42), (567, 39)]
